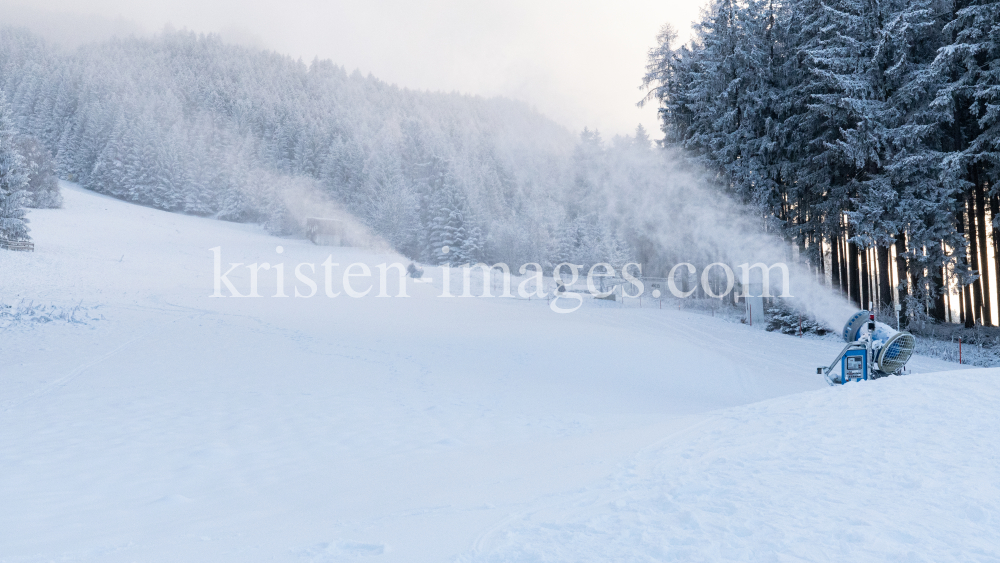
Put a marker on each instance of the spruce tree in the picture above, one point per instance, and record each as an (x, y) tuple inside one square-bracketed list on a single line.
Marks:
[(13, 180), (447, 228), (43, 186)]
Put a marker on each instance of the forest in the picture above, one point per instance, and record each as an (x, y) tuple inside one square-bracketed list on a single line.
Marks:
[(865, 132), (187, 123)]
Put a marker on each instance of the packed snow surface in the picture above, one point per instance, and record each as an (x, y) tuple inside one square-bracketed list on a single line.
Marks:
[(142, 420)]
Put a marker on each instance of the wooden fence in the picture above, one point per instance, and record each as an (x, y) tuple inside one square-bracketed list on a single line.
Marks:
[(19, 245)]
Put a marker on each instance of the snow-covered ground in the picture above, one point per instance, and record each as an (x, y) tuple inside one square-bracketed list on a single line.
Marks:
[(166, 425)]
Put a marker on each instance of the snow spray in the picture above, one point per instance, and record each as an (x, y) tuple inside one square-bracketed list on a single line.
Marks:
[(690, 220)]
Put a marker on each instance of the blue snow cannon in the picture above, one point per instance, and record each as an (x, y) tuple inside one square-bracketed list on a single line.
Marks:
[(891, 348)]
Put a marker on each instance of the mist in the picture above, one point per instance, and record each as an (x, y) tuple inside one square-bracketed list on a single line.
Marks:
[(580, 63), (672, 212)]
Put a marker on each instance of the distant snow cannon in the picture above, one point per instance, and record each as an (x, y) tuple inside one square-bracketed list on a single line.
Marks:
[(873, 350)]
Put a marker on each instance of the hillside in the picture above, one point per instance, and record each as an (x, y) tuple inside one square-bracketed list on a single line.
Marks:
[(165, 425), (189, 123)]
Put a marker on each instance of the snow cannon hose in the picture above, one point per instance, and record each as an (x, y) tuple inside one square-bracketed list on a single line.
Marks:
[(893, 348)]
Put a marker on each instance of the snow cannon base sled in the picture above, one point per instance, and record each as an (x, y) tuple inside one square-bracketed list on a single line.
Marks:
[(873, 350)]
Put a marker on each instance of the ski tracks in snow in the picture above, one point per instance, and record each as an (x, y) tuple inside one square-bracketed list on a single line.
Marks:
[(82, 368), (66, 379)]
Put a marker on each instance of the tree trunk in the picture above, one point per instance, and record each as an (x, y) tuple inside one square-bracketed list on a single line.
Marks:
[(873, 277), (835, 263), (865, 279), (977, 295), (964, 291), (855, 273), (937, 290), (961, 305), (845, 279), (994, 211), (964, 295), (947, 299), (884, 285), (984, 255), (969, 316), (902, 272), (821, 259)]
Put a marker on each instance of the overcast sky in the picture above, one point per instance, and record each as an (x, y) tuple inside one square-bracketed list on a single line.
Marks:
[(578, 61)]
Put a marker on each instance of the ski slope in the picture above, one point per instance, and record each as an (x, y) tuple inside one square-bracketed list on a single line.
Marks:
[(170, 426)]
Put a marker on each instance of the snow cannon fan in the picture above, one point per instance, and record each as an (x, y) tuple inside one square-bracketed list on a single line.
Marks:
[(873, 350)]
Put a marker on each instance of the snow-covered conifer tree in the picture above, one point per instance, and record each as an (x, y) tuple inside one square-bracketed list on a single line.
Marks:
[(43, 186), (13, 179)]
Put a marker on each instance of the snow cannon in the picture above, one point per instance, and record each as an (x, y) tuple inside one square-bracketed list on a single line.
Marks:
[(892, 348), (873, 350)]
